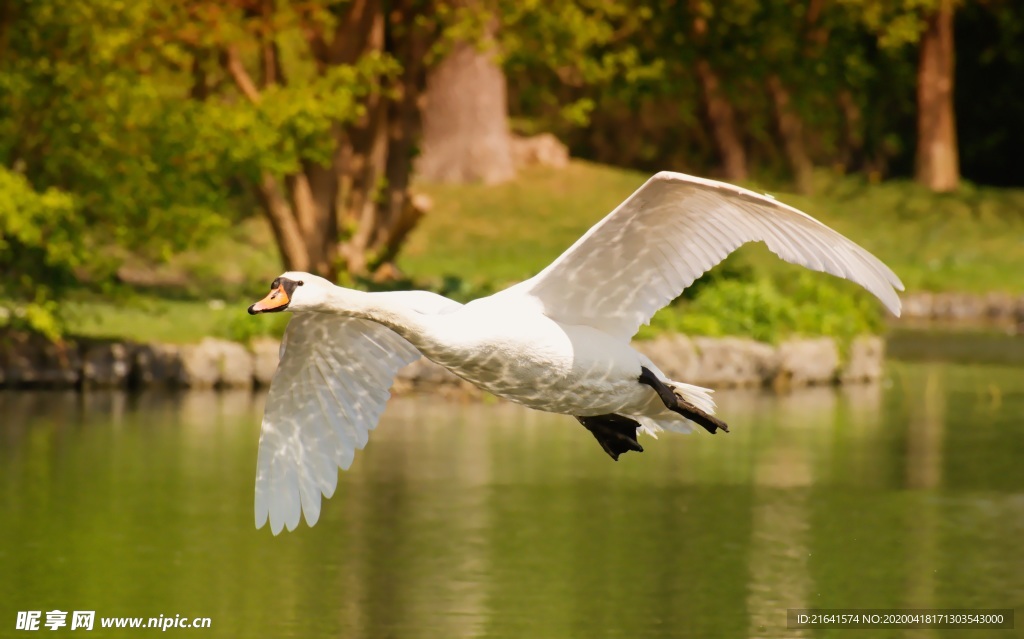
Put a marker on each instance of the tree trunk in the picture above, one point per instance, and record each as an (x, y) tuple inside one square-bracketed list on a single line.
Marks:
[(937, 161), (791, 131), (851, 155), (378, 152), (465, 118), (723, 124), (354, 212)]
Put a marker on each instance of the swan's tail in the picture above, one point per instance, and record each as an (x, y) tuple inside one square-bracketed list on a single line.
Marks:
[(698, 396)]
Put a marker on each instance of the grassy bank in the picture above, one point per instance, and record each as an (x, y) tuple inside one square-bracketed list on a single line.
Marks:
[(480, 238), (972, 240)]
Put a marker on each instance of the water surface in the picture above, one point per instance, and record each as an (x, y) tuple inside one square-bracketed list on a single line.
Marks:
[(488, 520)]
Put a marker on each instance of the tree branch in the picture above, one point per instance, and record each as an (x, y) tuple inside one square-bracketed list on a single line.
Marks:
[(361, 29), (233, 64), (273, 73), (200, 89), (282, 221), (317, 46)]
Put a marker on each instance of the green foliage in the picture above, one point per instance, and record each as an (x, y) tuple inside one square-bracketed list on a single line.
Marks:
[(848, 68), (242, 327), (479, 239), (88, 114), (895, 24), (765, 310), (970, 241), (98, 151), (289, 125), (41, 245), (119, 158), (570, 50), (124, 134)]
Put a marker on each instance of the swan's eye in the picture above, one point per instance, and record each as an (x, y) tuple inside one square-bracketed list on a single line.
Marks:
[(301, 282)]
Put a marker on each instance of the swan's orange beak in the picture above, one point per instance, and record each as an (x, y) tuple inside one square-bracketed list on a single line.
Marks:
[(277, 300)]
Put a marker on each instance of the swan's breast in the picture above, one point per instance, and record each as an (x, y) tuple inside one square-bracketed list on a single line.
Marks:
[(533, 360)]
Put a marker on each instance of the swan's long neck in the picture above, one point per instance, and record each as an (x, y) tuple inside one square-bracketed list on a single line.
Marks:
[(382, 309)]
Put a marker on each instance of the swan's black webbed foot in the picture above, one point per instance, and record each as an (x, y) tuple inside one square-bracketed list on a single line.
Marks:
[(615, 433), (677, 404)]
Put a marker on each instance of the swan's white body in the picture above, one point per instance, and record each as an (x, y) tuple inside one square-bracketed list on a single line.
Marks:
[(558, 342)]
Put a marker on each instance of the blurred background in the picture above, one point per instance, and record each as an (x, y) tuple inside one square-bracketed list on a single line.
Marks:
[(161, 163)]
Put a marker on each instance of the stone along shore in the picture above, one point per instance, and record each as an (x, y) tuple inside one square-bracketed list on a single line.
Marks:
[(728, 362)]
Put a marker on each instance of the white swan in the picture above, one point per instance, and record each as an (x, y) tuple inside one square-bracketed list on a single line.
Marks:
[(558, 342)]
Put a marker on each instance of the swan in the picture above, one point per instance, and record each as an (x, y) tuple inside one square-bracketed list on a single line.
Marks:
[(557, 342)]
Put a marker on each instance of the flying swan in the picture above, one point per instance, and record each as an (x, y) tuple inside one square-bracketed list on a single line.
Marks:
[(558, 342)]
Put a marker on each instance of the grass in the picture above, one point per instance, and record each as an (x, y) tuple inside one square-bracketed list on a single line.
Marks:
[(148, 319), (153, 319), (480, 238), (970, 241)]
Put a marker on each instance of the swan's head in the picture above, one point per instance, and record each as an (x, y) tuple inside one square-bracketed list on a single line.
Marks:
[(293, 291)]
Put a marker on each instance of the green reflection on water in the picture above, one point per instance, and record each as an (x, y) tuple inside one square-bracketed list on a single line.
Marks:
[(466, 520)]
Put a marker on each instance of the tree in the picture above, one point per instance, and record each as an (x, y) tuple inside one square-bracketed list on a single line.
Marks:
[(929, 26), (40, 246), (465, 114), (722, 117), (717, 106), (324, 132), (328, 123), (937, 161), (90, 157)]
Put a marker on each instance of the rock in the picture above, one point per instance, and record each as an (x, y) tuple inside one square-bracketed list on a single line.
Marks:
[(805, 362), (106, 364), (215, 362), (31, 360), (865, 360), (200, 364), (155, 365), (1000, 307), (957, 306), (675, 355), (733, 361), (539, 150), (266, 354), (918, 306), (1019, 311), (236, 364)]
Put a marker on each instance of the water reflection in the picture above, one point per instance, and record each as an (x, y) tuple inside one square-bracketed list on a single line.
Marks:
[(484, 519)]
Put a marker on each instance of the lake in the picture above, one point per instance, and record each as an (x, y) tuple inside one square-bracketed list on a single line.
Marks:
[(488, 520)]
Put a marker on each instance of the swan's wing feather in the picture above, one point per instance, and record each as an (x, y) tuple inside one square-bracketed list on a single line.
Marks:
[(326, 396), (668, 233)]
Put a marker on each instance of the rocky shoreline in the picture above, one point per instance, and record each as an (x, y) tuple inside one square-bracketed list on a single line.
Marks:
[(729, 362), (996, 308)]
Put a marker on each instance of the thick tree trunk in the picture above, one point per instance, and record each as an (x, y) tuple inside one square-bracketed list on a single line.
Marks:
[(937, 161), (465, 118), (791, 132), (723, 124)]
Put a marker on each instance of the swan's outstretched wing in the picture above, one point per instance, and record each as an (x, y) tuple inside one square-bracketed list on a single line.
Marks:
[(326, 396), (669, 232)]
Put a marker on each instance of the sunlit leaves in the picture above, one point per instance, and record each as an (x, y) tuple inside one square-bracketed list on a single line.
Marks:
[(290, 123), (895, 23), (40, 246)]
